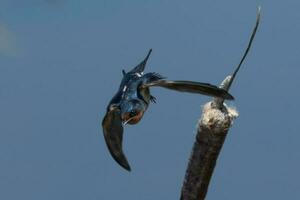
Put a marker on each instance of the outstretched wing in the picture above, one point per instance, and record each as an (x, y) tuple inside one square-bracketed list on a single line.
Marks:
[(113, 134), (191, 87), (140, 67)]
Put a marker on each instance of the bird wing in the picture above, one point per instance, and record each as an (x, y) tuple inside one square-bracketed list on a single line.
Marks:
[(113, 134), (191, 87)]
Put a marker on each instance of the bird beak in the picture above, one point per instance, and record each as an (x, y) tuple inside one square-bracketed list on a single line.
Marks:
[(126, 122)]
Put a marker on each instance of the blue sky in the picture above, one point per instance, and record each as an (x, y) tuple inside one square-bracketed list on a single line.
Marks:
[(61, 62)]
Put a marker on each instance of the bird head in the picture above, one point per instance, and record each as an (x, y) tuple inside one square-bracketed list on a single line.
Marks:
[(132, 111)]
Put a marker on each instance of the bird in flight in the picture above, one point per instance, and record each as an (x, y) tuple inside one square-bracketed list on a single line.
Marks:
[(133, 98)]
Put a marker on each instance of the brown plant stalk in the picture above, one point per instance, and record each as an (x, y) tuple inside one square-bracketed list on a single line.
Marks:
[(212, 130)]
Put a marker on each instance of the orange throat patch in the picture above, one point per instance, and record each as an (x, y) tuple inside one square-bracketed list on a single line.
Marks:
[(132, 120)]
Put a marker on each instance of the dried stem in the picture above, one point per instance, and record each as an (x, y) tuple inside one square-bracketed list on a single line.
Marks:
[(247, 49), (212, 131)]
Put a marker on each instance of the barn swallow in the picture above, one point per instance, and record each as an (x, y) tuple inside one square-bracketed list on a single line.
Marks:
[(133, 98)]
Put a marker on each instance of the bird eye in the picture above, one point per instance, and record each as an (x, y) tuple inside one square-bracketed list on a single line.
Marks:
[(132, 113)]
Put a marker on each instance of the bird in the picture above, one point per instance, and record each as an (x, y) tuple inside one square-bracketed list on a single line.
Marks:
[(132, 100)]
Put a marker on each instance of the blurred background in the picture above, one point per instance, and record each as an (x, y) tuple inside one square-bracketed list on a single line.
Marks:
[(61, 62)]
